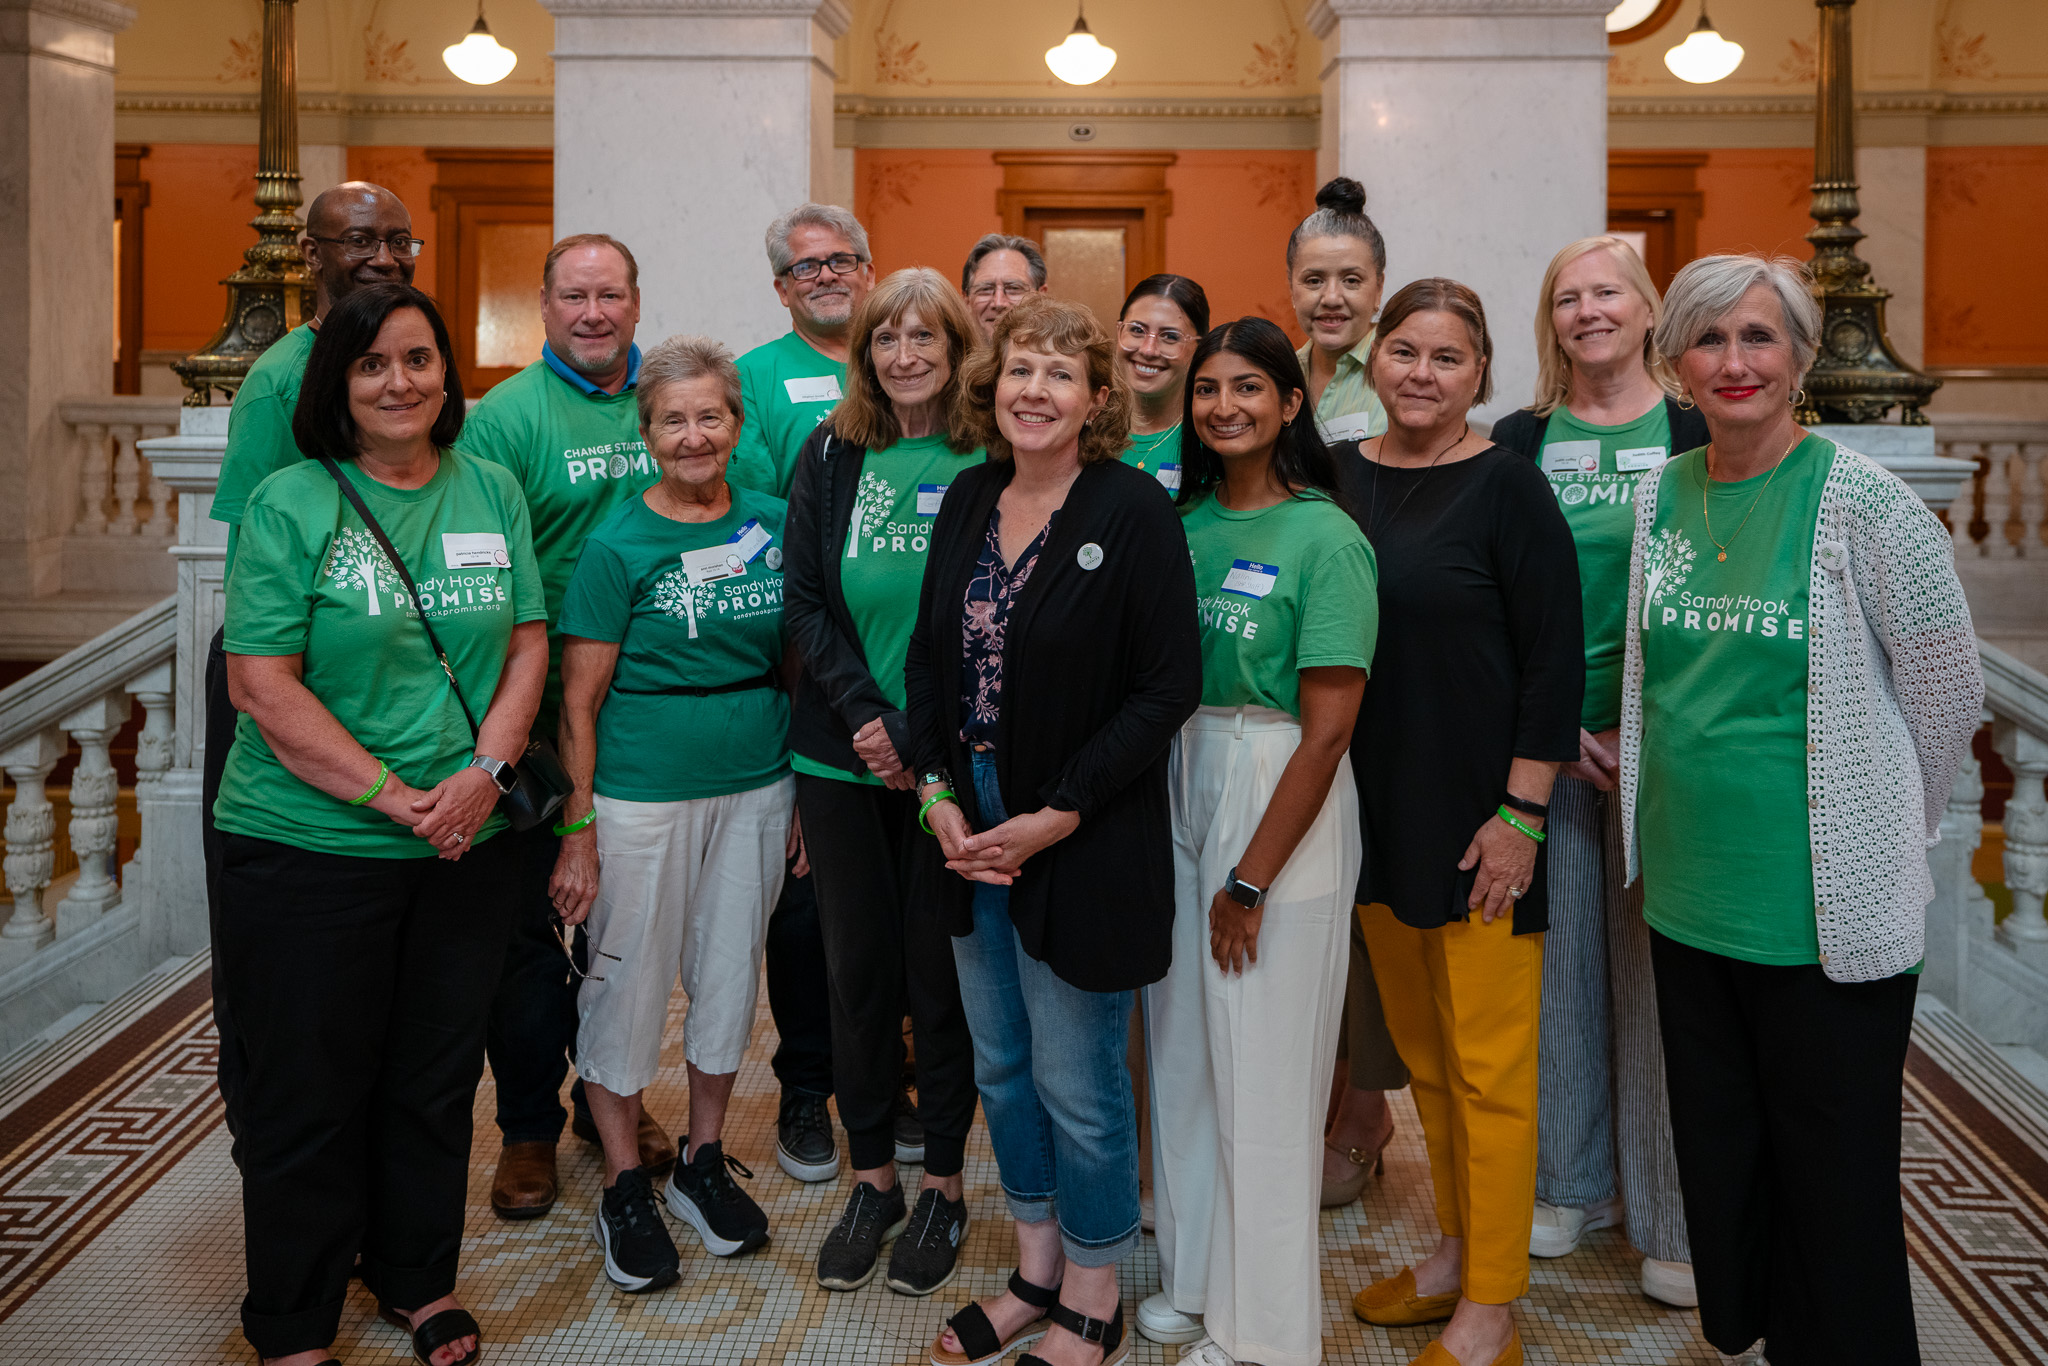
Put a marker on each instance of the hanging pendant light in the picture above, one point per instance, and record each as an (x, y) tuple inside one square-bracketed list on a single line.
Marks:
[(1080, 60), (1705, 56), (479, 59)]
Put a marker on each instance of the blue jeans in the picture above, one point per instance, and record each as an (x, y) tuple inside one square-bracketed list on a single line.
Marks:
[(1049, 1062)]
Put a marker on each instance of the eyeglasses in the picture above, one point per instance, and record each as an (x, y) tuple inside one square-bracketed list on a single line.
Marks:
[(562, 934), (1012, 290), (841, 262), (364, 244), (1170, 339)]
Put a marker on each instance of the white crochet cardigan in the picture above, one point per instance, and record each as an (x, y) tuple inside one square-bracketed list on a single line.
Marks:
[(1895, 691)]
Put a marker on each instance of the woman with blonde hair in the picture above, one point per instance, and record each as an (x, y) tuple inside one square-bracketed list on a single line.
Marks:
[(1605, 413), (868, 483)]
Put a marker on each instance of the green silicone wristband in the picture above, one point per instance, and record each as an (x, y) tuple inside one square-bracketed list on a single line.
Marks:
[(941, 795), (1512, 819), (383, 777), (583, 824)]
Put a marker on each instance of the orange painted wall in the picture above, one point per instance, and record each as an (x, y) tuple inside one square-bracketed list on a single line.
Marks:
[(406, 172), (201, 198), (925, 207), (1755, 199), (1987, 234)]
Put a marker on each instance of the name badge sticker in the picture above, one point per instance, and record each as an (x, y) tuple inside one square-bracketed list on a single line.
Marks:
[(813, 389), (475, 550), (1250, 579), (712, 563), (1572, 457), (1169, 478), (1641, 458), (749, 539), (1346, 427), (929, 496)]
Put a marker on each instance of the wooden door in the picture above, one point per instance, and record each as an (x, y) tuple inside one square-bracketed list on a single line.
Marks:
[(494, 214), (1654, 200), (1100, 218)]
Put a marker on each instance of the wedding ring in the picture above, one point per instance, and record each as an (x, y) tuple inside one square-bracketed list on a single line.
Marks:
[(1514, 892), (460, 838)]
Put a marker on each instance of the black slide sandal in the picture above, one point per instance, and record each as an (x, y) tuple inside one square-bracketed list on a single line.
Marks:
[(1108, 1336), (437, 1332), (977, 1335)]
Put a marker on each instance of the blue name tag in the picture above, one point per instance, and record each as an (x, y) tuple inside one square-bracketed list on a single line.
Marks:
[(750, 538), (1250, 579)]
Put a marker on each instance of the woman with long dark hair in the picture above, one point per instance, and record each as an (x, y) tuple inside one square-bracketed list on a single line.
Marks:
[(1242, 1034), (1164, 316)]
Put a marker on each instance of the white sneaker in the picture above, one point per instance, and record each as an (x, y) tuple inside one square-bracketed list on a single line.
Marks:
[(1145, 1220), (1207, 1353), (1558, 1228), (1159, 1321), (1670, 1283)]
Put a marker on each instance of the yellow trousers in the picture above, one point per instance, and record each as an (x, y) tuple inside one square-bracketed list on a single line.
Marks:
[(1464, 1003)]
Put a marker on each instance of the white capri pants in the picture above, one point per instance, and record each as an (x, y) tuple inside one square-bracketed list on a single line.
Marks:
[(684, 885), (1241, 1065)]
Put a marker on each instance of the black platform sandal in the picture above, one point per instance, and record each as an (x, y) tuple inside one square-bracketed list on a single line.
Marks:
[(437, 1332), (978, 1336), (1108, 1336)]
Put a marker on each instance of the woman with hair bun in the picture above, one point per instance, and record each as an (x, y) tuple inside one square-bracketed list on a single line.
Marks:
[(1336, 271), (1156, 333)]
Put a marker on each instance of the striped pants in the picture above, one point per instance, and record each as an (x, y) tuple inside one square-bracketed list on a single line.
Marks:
[(1601, 1058)]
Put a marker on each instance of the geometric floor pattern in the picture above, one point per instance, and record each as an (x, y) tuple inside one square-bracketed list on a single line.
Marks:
[(120, 1237)]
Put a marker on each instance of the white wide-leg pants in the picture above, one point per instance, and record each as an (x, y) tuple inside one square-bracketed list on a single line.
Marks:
[(1241, 1065)]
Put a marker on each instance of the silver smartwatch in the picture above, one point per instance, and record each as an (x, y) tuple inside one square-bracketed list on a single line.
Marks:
[(1243, 893), (500, 772)]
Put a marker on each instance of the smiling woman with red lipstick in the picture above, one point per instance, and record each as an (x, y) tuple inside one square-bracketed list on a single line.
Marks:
[(1800, 684)]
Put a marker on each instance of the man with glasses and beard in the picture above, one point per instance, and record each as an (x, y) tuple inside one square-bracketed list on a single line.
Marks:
[(356, 234)]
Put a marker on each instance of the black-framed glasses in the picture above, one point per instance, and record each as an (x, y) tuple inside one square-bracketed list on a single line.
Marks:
[(562, 935), (366, 244), (841, 262)]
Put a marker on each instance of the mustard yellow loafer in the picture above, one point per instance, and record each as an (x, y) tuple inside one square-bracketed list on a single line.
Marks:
[(1393, 1303), (1437, 1355)]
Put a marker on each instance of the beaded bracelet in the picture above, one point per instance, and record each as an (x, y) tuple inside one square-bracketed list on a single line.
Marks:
[(383, 776), (1512, 819), (941, 795), (583, 824)]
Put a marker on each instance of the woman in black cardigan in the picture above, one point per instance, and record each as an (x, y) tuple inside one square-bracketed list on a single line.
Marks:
[(1054, 658)]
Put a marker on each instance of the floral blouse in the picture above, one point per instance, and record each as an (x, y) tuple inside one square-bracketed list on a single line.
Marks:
[(990, 594)]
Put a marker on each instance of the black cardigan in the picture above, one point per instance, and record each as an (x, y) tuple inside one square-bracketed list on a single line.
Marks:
[(1100, 668), (1522, 431)]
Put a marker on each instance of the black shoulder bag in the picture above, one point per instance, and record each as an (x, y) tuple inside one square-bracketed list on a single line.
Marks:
[(539, 783)]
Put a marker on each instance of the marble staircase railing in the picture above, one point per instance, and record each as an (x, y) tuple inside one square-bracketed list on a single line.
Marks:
[(118, 491), (2003, 515)]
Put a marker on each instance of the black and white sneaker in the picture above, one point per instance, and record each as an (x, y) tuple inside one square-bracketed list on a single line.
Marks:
[(803, 1137), (853, 1249), (703, 1195), (928, 1253), (638, 1253), (909, 1128)]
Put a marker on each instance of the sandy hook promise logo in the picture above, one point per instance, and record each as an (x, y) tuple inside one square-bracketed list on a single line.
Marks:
[(870, 506), (356, 561), (675, 596), (1667, 561)]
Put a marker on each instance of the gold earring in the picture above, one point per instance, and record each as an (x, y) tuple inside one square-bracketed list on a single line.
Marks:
[(1684, 401), (1799, 398)]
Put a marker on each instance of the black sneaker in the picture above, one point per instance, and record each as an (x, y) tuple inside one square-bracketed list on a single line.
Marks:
[(853, 1248), (703, 1195), (803, 1137), (638, 1253), (909, 1128), (928, 1253)]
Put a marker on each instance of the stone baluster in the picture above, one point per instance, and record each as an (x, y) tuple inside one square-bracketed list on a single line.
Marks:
[(1997, 498), (31, 835), (1962, 828), (1960, 914), (2023, 503), (153, 689), (94, 824), (162, 502), (2026, 829), (127, 481), (95, 480)]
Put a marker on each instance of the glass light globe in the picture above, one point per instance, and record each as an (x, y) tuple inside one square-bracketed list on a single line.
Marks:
[(1705, 56), (1080, 60), (1629, 13), (478, 58)]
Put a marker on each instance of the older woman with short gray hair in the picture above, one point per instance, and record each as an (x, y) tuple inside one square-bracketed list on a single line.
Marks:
[(1800, 683)]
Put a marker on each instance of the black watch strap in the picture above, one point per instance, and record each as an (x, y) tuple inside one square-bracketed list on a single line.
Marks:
[(1243, 893), (1524, 805)]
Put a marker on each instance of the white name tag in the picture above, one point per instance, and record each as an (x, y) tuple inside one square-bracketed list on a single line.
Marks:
[(1169, 478), (475, 550), (1641, 458), (1251, 579), (815, 389), (712, 563), (929, 496), (749, 539), (1348, 427), (1571, 457)]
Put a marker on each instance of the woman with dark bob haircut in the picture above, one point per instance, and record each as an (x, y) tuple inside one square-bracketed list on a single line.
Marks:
[(364, 901)]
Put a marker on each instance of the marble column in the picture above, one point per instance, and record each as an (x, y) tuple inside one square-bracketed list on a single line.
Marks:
[(682, 127), (1479, 130), (56, 268), (1892, 189)]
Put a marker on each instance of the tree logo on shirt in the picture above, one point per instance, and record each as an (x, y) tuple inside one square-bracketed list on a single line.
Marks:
[(355, 560), (870, 508), (675, 595), (1667, 560)]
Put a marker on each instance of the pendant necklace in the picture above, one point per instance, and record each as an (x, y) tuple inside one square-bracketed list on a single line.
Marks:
[(1372, 522), (1707, 472)]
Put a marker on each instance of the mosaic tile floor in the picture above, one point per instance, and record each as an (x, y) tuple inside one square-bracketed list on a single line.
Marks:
[(120, 1239)]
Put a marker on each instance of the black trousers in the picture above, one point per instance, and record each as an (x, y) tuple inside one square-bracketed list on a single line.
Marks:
[(881, 951), (798, 998), (361, 986), (1785, 1117), (220, 737), (533, 1012)]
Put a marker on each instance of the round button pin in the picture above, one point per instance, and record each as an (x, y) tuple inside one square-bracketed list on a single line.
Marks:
[(1089, 556)]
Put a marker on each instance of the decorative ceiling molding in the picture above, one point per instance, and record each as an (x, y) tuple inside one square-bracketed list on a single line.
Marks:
[(1324, 15), (139, 103), (100, 14), (1867, 102), (834, 16), (871, 106)]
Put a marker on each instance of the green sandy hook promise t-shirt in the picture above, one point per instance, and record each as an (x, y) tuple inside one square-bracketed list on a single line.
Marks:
[(1280, 589), (788, 387), (881, 570), (1726, 847), (1593, 471), (260, 440), (312, 581), (1158, 454), (690, 605)]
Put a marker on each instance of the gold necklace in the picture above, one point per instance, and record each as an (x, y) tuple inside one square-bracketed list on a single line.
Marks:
[(1707, 462)]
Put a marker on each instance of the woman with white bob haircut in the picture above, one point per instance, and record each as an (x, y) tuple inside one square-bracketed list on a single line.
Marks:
[(1800, 684), (1605, 411)]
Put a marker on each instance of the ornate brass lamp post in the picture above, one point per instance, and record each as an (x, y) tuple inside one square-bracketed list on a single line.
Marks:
[(1857, 377), (271, 293)]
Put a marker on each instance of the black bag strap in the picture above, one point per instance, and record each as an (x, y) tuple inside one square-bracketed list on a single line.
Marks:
[(355, 499)]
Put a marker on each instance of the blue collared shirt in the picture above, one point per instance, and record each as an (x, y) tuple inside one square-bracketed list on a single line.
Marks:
[(547, 353)]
